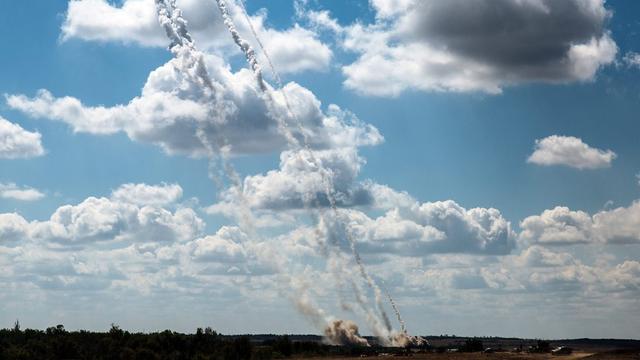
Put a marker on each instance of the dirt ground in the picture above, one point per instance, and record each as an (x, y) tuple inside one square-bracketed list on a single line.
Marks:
[(507, 355), (500, 355)]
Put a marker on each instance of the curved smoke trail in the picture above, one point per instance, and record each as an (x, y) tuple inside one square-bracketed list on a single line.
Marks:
[(329, 187)]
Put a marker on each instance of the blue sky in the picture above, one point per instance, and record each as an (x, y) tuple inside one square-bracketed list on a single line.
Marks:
[(545, 134)]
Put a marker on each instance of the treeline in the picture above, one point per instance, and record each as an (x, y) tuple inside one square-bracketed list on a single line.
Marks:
[(58, 343)]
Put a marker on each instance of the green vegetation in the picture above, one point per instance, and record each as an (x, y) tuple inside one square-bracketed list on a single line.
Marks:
[(58, 343)]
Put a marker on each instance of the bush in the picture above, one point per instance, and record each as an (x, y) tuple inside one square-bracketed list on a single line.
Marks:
[(472, 345)]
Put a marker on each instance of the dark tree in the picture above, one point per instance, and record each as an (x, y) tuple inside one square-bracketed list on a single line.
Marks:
[(473, 345), (543, 346), (283, 346)]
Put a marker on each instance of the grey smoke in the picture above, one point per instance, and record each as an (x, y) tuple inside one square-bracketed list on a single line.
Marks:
[(344, 332), (276, 75), (295, 143), (242, 44), (193, 66)]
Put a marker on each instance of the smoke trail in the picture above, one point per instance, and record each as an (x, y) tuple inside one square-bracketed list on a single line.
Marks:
[(190, 62), (192, 65), (275, 73), (403, 326), (182, 45), (352, 243), (252, 59), (337, 263), (244, 45), (329, 188)]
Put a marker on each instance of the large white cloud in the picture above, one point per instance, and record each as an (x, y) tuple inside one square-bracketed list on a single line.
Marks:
[(407, 228), (447, 45), (434, 227), (558, 226), (535, 271), (234, 264), (140, 239), (562, 226), (16, 142), (135, 21), (569, 151), (172, 108), (125, 246), (303, 180), (108, 220), (225, 246), (102, 220)]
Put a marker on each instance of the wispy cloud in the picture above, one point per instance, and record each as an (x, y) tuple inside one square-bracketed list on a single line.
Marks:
[(632, 59), (15, 192)]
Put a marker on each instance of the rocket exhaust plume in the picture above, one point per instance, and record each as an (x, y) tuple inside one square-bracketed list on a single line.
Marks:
[(244, 45), (191, 64), (275, 73), (404, 340), (336, 332), (295, 143), (403, 326), (344, 332)]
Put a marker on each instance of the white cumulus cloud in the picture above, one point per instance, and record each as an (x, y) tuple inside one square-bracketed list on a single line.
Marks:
[(172, 107), (434, 227), (16, 142), (135, 22), (569, 151), (107, 220), (562, 226), (415, 45)]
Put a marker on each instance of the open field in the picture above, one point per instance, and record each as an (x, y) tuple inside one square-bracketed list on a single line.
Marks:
[(479, 355), (206, 344), (626, 354)]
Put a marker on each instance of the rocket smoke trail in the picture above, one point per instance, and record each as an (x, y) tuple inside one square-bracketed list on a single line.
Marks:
[(190, 62), (275, 73), (252, 59), (403, 326), (250, 55), (329, 188), (244, 45)]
